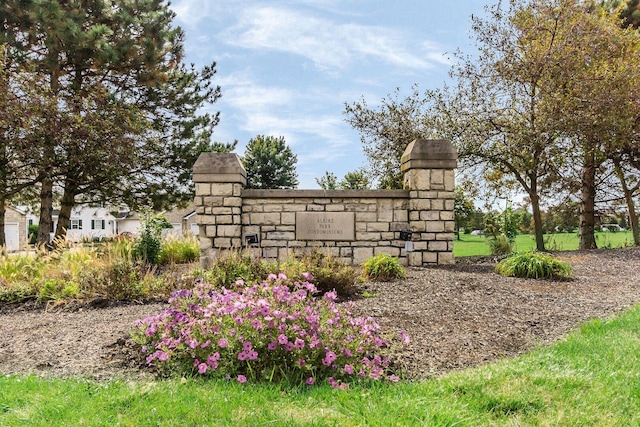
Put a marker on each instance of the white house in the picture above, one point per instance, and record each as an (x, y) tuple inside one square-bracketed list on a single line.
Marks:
[(97, 223)]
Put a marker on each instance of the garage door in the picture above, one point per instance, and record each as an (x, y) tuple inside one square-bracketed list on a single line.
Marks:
[(12, 235)]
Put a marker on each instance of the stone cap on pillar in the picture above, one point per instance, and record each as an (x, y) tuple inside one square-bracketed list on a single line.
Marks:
[(429, 154), (219, 167)]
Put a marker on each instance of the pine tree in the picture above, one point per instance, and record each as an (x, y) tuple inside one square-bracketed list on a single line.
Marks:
[(270, 163)]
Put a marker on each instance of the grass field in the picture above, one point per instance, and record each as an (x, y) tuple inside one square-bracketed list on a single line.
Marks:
[(479, 245), (591, 378)]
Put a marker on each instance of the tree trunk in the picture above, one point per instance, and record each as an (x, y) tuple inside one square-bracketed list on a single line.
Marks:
[(537, 221), (631, 207), (46, 213), (588, 202), (3, 209), (66, 205)]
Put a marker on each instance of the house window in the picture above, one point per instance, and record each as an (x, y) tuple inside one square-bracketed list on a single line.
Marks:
[(30, 222), (76, 224), (97, 224)]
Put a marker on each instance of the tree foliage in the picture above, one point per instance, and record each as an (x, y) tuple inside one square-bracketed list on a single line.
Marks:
[(123, 123), (328, 181), (551, 96), (270, 163), (386, 131)]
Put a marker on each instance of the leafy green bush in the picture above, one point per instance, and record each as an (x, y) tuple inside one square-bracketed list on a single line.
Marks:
[(383, 267), (149, 244), (534, 265), (272, 331), (500, 245)]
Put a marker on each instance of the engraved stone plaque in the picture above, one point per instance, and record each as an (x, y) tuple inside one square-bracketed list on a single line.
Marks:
[(325, 226)]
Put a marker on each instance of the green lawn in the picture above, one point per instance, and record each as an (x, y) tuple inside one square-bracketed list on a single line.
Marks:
[(478, 245), (591, 378)]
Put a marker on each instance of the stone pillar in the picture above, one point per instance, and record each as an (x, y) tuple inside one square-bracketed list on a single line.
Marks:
[(219, 179), (428, 167)]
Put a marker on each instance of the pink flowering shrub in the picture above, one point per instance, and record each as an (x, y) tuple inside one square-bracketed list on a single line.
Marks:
[(271, 331)]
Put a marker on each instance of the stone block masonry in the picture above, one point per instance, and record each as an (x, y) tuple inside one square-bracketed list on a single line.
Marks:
[(352, 225)]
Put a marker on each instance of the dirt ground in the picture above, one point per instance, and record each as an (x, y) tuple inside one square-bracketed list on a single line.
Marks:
[(457, 316)]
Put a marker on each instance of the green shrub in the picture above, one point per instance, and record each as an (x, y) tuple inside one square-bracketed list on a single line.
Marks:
[(231, 266), (534, 265), (328, 272), (383, 267), (32, 234), (56, 289), (500, 245), (179, 251), (147, 247)]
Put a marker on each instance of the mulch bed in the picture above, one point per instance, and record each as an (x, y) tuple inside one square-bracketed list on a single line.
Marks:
[(457, 316)]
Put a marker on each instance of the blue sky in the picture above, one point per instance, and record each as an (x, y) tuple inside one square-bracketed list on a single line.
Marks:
[(286, 68)]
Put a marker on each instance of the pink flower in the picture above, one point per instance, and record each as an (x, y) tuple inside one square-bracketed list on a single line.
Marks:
[(271, 277), (331, 296), (298, 344), (307, 276), (302, 362), (310, 381), (272, 345), (282, 339), (255, 323), (242, 379), (348, 369), (405, 338), (202, 368), (393, 378), (246, 346), (242, 356), (330, 355), (282, 276), (222, 343), (252, 355)]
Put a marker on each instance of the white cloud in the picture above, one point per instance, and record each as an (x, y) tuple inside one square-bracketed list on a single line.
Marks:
[(328, 44)]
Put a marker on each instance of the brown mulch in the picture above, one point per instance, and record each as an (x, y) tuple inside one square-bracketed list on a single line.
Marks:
[(457, 316)]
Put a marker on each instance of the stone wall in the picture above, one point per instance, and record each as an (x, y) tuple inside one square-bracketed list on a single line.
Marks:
[(352, 225)]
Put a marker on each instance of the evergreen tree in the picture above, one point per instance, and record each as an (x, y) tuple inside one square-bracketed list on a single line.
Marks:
[(124, 123), (270, 163)]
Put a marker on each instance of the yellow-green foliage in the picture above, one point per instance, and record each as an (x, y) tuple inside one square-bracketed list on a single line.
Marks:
[(534, 265), (500, 245), (383, 267), (231, 266), (328, 272), (179, 251), (106, 270)]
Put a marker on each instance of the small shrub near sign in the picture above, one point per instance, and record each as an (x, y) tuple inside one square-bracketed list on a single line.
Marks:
[(383, 268), (534, 265)]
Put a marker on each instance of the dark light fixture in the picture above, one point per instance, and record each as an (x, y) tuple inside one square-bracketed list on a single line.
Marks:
[(405, 235), (251, 239)]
